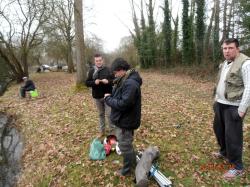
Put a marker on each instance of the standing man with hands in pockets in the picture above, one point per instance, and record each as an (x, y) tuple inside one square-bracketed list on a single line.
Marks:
[(232, 99), (100, 80)]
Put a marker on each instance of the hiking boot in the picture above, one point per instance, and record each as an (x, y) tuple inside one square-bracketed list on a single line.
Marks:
[(129, 163), (232, 174)]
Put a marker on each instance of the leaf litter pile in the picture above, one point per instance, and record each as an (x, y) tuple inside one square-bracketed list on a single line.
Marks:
[(59, 125)]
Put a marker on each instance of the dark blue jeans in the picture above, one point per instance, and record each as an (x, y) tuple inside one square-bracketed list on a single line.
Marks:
[(229, 133)]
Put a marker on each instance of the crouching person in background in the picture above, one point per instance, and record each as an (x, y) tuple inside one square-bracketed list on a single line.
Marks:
[(28, 86), (125, 103)]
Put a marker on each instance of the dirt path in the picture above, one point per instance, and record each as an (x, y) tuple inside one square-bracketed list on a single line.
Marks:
[(59, 126)]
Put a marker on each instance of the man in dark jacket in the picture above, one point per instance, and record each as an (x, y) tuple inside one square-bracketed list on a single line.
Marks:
[(100, 80), (125, 103), (28, 86)]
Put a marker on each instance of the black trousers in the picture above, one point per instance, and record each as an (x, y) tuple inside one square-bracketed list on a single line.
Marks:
[(24, 90), (229, 133)]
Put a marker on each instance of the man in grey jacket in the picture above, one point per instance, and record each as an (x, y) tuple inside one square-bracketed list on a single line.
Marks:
[(231, 102)]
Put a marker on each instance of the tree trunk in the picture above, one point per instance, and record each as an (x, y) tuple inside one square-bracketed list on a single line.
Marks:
[(70, 58), (81, 72), (230, 15), (208, 33), (224, 30), (151, 53), (16, 69), (216, 43), (200, 30), (187, 47), (175, 39), (167, 33), (24, 59)]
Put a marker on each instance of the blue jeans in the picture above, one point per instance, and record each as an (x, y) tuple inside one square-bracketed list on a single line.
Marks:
[(104, 110)]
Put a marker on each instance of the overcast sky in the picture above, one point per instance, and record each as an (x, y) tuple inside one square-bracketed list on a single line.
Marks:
[(109, 20)]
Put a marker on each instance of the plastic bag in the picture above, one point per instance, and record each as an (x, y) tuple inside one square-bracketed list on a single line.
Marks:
[(97, 151), (34, 93)]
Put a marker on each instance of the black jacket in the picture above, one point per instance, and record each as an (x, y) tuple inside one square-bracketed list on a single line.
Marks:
[(99, 90), (29, 85), (125, 103)]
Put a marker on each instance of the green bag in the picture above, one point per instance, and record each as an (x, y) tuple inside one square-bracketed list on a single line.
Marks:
[(97, 151), (34, 93)]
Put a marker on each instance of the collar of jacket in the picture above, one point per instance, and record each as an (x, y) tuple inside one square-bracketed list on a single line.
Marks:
[(96, 70), (120, 80)]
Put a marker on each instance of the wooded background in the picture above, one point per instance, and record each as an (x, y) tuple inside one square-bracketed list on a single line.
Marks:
[(59, 126), (34, 32)]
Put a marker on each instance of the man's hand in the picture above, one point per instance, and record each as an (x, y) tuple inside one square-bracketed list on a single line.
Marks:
[(97, 81), (105, 81), (242, 114), (107, 94)]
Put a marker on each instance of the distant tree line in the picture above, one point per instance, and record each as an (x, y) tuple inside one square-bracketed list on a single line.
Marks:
[(196, 40), (37, 31)]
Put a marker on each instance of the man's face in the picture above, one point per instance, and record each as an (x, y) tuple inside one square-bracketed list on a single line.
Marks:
[(98, 61), (230, 51), (119, 73)]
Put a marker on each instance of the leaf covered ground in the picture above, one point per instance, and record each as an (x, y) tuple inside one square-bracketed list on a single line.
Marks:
[(58, 127)]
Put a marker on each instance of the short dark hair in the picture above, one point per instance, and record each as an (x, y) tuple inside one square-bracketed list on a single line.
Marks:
[(119, 64), (97, 55), (232, 40)]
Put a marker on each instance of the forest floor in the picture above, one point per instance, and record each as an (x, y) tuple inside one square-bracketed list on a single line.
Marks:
[(59, 126)]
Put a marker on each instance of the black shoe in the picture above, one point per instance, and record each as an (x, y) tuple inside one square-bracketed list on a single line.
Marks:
[(129, 163)]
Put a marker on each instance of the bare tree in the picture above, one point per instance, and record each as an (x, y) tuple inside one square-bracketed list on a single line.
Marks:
[(216, 42), (91, 46), (230, 16), (224, 29), (21, 32), (81, 70), (56, 49), (62, 20), (208, 33)]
